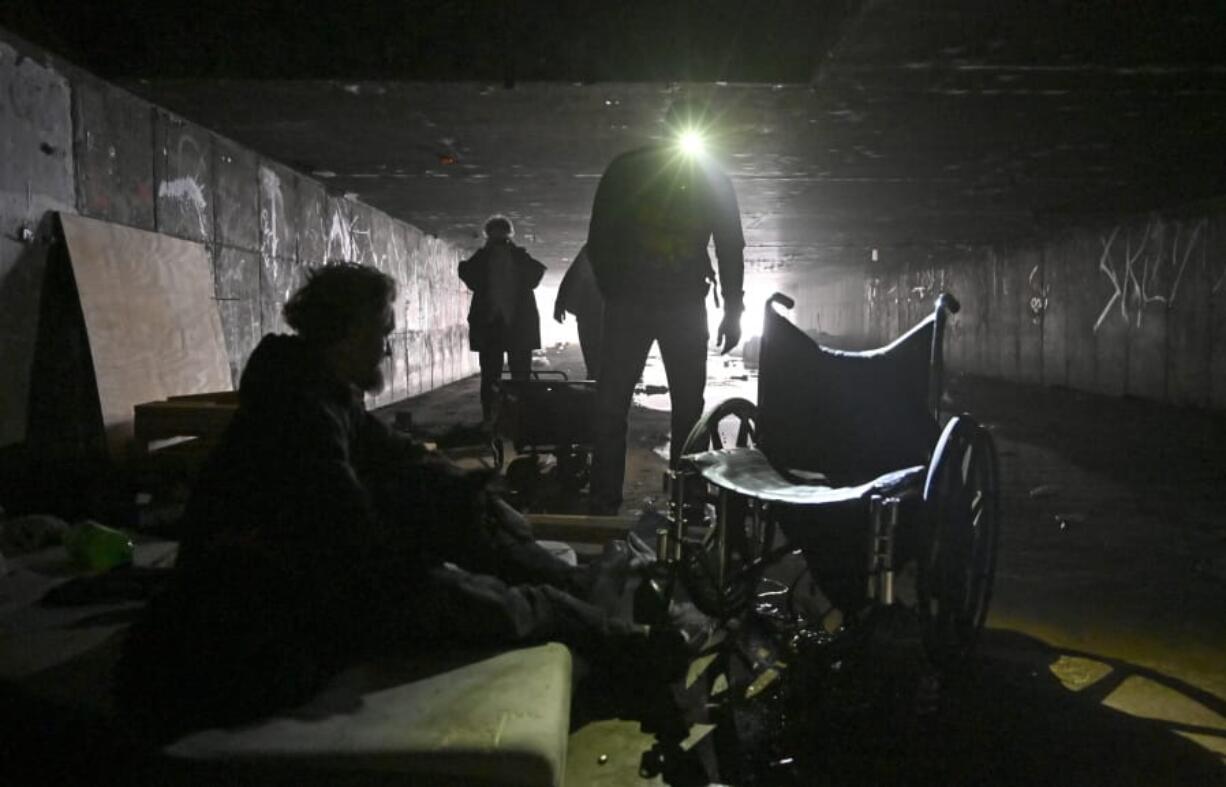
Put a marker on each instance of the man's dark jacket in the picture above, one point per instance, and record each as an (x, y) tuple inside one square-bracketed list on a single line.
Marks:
[(486, 332), (654, 213), (300, 541)]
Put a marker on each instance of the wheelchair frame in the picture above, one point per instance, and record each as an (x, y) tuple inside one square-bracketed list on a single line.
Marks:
[(549, 426), (943, 515)]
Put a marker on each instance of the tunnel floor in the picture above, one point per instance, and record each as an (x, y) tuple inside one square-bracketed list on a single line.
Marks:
[(1104, 657)]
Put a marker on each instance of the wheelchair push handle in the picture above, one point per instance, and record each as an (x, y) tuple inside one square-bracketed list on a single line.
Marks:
[(781, 299), (946, 304)]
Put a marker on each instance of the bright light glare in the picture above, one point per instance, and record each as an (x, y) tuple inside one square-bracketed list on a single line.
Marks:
[(692, 143)]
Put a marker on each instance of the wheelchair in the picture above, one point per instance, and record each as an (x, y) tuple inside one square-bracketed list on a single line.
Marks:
[(547, 413), (845, 467)]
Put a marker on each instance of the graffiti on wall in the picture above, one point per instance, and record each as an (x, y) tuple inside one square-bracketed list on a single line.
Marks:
[(1142, 272), (188, 190), (923, 286), (344, 234), (272, 209), (1039, 291)]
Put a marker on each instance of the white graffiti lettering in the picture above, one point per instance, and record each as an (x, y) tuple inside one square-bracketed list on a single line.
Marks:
[(188, 189), (1110, 274), (1039, 296), (1140, 277), (189, 192), (272, 209)]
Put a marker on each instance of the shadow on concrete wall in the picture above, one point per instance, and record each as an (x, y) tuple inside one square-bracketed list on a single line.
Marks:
[(61, 465)]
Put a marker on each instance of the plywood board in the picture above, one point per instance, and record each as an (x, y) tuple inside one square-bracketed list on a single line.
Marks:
[(152, 323)]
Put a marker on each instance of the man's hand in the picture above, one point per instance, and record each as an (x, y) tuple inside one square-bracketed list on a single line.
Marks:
[(729, 334), (559, 314)]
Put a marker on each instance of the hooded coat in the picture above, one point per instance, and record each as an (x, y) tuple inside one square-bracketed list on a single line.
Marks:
[(304, 534), (486, 329)]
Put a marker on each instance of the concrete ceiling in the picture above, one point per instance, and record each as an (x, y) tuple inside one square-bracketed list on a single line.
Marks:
[(930, 126)]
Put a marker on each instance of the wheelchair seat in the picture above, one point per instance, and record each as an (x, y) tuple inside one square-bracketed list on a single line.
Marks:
[(746, 471)]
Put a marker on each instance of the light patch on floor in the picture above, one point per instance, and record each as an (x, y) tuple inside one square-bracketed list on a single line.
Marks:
[(1077, 673), (607, 752), (1148, 699)]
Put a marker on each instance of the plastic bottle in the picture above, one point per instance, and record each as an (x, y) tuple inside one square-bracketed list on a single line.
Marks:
[(97, 547)]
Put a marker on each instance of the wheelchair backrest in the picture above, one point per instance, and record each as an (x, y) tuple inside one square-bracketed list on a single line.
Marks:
[(849, 415)]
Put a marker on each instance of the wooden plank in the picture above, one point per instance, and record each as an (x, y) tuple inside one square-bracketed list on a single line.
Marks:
[(182, 417), (212, 397), (152, 323), (580, 528)]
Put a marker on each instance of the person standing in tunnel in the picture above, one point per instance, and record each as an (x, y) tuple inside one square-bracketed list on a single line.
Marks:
[(502, 317), (656, 210), (579, 295)]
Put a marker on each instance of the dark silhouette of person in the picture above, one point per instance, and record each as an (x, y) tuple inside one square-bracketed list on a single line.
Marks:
[(316, 537), (656, 210), (579, 295), (502, 317)]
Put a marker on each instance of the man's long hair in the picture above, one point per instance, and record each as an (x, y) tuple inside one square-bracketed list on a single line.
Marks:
[(334, 298)]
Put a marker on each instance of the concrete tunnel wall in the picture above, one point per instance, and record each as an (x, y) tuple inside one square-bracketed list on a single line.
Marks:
[(71, 142), (1130, 306)]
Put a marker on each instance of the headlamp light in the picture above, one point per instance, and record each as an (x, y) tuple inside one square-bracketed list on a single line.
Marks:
[(692, 142)]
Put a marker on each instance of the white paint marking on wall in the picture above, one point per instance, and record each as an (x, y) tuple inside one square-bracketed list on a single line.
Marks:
[(354, 232), (340, 234), (1187, 252), (188, 191), (1038, 295), (272, 207), (1110, 273), (1139, 280), (1129, 263)]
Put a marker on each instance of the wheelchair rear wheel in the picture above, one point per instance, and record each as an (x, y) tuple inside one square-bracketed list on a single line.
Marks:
[(958, 564)]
